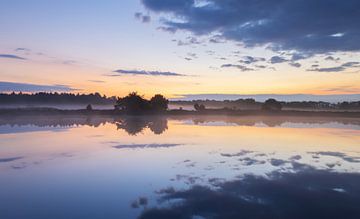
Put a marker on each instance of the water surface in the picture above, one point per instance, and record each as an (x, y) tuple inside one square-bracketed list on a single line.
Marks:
[(179, 167)]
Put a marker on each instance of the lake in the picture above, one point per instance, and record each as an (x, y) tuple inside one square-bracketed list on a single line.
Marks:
[(179, 167)]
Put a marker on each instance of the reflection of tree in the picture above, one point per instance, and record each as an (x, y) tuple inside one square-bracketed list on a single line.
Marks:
[(158, 126), (135, 125)]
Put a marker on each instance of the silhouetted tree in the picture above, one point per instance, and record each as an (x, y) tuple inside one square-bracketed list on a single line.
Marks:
[(133, 104), (89, 107), (272, 104), (196, 106), (159, 103), (199, 107)]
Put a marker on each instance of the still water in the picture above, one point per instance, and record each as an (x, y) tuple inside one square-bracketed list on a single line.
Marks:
[(179, 167)]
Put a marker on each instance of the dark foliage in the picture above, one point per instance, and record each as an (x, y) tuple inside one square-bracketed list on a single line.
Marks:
[(136, 104), (199, 107), (271, 104), (55, 98)]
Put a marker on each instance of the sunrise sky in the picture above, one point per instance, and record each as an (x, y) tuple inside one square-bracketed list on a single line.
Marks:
[(180, 47)]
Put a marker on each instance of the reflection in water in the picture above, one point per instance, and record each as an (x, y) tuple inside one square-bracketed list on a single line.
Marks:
[(134, 146), (135, 125), (179, 167), (309, 193), (9, 159)]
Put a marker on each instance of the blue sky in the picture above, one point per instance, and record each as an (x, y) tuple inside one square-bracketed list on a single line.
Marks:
[(182, 47)]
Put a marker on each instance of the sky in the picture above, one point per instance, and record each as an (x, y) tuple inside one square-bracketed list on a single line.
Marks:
[(182, 48)]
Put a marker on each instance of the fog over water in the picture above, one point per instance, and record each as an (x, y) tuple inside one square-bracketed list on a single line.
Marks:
[(179, 167)]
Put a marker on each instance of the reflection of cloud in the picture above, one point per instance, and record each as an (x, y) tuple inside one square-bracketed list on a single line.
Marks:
[(307, 194), (247, 161), (144, 72), (9, 159), (241, 153), (277, 162), (340, 155), (10, 56), (137, 146)]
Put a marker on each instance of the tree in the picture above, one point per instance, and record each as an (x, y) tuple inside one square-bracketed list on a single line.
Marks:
[(198, 107), (89, 107), (133, 103), (159, 103), (272, 105)]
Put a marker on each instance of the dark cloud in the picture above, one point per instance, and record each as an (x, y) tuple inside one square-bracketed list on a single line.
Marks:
[(277, 59), (340, 68), (188, 41), (25, 87), (295, 64), (251, 59), (143, 72), (10, 56), (241, 67), (313, 26), (143, 18), (217, 39), (9, 159)]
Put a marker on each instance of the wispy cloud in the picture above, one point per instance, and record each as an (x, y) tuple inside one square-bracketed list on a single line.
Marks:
[(144, 72), (143, 18), (340, 68), (6, 86), (11, 56), (241, 67), (97, 81)]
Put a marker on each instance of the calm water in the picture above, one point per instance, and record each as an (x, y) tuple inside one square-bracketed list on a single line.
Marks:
[(181, 167)]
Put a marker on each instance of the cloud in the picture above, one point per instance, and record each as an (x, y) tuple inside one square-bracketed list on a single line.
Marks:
[(97, 81), (144, 72), (26, 87), (314, 26), (251, 59), (10, 56), (340, 68), (241, 67), (188, 41), (277, 59), (143, 18), (334, 98), (343, 89), (295, 64)]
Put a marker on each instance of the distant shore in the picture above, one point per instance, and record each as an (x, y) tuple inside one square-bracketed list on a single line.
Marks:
[(230, 112)]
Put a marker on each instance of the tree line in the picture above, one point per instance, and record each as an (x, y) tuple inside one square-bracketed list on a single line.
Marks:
[(55, 98)]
